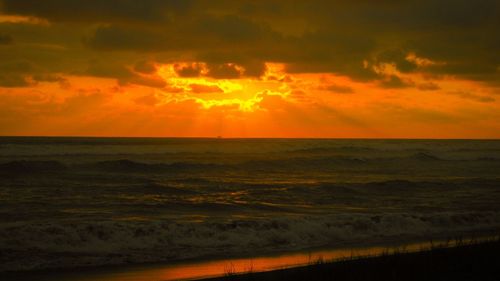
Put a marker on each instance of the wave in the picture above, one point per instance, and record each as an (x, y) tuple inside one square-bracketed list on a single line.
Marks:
[(304, 163), (335, 149), (113, 166), (488, 159), (336, 162), (158, 188), (125, 165), (130, 166), (25, 166), (56, 245), (422, 156)]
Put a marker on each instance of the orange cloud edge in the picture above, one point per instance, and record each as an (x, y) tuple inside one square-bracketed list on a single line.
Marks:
[(163, 103)]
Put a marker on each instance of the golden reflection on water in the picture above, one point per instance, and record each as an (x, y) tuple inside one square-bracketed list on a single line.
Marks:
[(202, 269)]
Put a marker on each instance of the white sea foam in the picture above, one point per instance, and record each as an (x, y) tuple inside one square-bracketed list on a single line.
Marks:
[(46, 245), (94, 201)]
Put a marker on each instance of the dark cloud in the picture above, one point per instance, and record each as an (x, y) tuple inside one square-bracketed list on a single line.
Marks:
[(120, 38), (48, 78), (98, 10), (155, 81), (472, 96), (329, 51), (399, 58), (5, 39), (232, 28), (14, 80), (232, 35), (229, 70), (19, 66), (16, 74), (254, 68), (22, 73), (235, 38), (430, 86), (248, 65), (108, 70), (461, 33), (192, 70), (123, 74), (393, 81), (224, 71), (146, 67), (339, 89)]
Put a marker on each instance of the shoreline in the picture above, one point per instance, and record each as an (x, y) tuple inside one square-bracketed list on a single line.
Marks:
[(217, 266), (474, 260)]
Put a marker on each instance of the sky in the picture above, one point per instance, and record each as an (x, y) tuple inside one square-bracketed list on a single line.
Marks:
[(238, 68)]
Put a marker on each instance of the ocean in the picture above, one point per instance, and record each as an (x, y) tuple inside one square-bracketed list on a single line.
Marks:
[(71, 202)]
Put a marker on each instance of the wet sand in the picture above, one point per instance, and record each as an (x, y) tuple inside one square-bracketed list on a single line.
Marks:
[(199, 269), (464, 262)]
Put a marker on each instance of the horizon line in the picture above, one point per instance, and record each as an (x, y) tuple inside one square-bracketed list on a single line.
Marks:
[(236, 138)]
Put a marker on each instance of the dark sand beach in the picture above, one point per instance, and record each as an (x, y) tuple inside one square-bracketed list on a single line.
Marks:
[(436, 258), (468, 261)]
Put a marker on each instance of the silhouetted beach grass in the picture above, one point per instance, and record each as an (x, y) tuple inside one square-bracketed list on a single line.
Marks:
[(454, 260)]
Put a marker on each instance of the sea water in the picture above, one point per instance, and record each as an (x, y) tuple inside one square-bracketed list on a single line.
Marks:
[(68, 202)]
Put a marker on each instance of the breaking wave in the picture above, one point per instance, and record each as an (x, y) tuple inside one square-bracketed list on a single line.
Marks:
[(125, 165), (49, 245), (95, 201), (303, 163)]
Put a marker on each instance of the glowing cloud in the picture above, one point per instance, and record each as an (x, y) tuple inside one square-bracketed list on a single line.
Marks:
[(246, 68)]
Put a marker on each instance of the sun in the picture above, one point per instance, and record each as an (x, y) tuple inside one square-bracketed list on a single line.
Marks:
[(245, 93)]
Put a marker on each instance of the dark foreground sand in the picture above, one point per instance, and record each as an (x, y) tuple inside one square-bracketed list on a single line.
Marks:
[(453, 260), (471, 261)]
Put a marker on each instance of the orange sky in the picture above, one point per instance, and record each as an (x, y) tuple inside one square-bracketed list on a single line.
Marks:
[(56, 82)]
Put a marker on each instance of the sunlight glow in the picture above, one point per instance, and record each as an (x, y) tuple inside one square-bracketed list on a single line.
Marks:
[(243, 93)]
